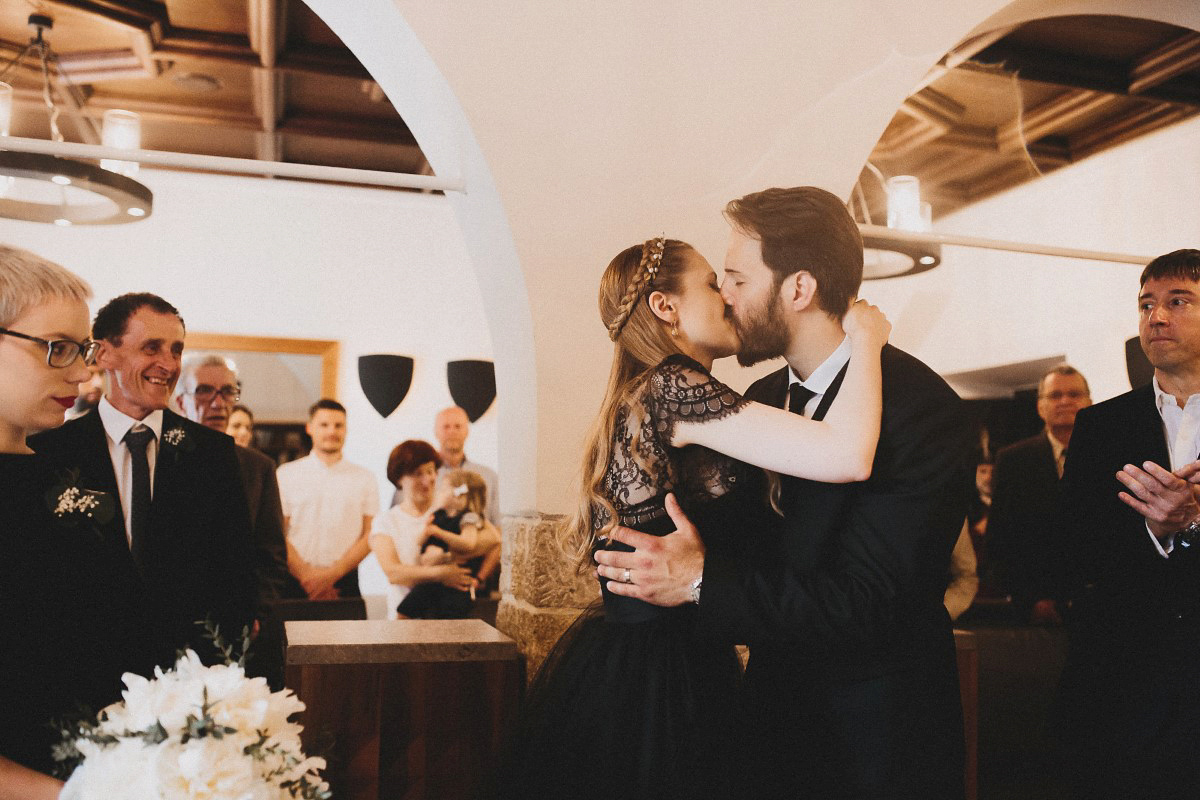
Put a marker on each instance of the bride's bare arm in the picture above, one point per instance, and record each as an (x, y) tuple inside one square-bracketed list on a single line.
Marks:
[(838, 449)]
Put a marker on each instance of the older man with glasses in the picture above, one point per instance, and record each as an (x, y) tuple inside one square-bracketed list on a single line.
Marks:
[(208, 390), (1022, 533)]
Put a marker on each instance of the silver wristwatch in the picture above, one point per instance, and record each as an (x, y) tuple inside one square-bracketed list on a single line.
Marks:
[(694, 589), (1189, 534)]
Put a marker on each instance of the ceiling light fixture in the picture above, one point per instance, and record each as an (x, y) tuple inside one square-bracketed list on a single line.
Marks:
[(38, 187), (888, 256)]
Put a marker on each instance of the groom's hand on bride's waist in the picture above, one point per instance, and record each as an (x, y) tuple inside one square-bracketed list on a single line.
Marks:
[(662, 569)]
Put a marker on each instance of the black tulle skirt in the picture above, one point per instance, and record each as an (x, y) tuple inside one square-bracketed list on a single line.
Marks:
[(630, 709)]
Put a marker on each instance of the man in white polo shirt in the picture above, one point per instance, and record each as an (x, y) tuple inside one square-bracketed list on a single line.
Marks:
[(328, 505)]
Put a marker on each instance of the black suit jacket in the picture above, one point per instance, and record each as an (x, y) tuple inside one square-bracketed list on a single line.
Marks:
[(1130, 691), (198, 562), (266, 517), (1022, 533), (852, 686)]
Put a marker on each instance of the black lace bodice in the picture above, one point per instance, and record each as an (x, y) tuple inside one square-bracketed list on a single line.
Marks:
[(644, 466)]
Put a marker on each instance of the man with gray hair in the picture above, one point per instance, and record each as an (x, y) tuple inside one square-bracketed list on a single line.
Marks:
[(1022, 534), (208, 390)]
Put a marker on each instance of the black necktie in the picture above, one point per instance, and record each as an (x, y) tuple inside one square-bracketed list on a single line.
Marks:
[(139, 526), (799, 397)]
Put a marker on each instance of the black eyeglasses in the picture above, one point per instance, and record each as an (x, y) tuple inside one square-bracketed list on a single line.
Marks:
[(205, 393), (61, 352)]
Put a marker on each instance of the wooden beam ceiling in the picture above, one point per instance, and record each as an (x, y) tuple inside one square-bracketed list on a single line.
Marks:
[(250, 74), (1079, 85)]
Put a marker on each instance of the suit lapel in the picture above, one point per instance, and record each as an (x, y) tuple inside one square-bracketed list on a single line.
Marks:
[(95, 462), (1153, 431), (96, 467), (773, 390), (165, 466), (1046, 462)]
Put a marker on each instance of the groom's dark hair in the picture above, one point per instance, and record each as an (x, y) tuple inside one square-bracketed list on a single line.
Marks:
[(805, 228)]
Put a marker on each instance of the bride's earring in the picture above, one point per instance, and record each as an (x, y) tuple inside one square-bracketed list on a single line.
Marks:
[(675, 327)]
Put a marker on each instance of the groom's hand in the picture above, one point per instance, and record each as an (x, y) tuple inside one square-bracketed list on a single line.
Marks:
[(661, 568)]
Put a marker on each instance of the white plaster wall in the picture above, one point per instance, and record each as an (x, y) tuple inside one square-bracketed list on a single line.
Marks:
[(379, 271)]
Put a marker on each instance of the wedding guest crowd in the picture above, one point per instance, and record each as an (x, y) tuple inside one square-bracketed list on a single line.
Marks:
[(123, 526), (328, 505)]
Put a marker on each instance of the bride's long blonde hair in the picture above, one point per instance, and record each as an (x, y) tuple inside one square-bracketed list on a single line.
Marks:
[(641, 341)]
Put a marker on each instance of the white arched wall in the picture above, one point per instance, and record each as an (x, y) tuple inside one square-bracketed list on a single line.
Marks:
[(582, 128), (387, 46)]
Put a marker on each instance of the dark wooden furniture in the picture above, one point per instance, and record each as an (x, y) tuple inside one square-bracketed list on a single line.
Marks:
[(404, 709)]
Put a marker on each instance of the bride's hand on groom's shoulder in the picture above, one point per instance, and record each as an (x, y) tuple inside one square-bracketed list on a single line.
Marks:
[(661, 569), (866, 324)]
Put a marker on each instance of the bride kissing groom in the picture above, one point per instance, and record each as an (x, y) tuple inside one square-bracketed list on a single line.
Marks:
[(851, 690)]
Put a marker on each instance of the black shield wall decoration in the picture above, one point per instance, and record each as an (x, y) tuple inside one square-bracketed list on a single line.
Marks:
[(1138, 367), (385, 379), (472, 385)]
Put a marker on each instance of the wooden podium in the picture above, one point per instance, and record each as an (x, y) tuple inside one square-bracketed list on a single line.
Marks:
[(404, 709)]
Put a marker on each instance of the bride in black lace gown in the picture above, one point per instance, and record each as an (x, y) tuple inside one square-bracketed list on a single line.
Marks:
[(65, 639), (632, 703)]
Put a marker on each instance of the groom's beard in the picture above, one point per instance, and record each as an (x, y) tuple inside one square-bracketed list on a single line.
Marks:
[(764, 333)]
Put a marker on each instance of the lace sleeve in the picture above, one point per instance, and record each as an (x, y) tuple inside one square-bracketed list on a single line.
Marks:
[(680, 390)]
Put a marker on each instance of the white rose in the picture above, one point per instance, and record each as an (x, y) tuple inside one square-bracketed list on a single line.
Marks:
[(207, 769), (124, 770)]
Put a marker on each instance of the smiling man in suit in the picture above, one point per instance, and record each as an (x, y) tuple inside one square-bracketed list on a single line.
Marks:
[(852, 685), (1130, 690), (183, 539)]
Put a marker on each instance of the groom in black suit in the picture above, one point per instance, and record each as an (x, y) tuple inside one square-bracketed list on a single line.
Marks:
[(1130, 690), (182, 541), (852, 686)]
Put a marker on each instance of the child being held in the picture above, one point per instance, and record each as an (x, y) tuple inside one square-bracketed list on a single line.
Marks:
[(457, 532)]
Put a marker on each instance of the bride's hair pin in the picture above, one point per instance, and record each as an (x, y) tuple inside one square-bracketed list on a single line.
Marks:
[(643, 279)]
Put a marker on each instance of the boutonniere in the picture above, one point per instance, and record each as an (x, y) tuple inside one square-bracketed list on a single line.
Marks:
[(73, 505), (177, 441)]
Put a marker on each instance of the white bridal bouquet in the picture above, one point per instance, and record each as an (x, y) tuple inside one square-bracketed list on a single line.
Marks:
[(194, 732)]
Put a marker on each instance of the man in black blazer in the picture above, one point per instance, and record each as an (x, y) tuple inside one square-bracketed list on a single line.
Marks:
[(852, 686), (183, 537), (1022, 531), (1130, 690)]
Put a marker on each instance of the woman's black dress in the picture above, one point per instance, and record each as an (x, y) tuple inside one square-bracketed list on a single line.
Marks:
[(633, 702), (70, 622)]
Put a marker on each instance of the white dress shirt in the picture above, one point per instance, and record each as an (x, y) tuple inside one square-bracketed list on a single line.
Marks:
[(116, 425), (821, 377), (325, 506), (1182, 429)]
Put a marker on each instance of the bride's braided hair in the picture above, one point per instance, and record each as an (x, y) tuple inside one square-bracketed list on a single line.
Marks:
[(642, 342), (647, 270)]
